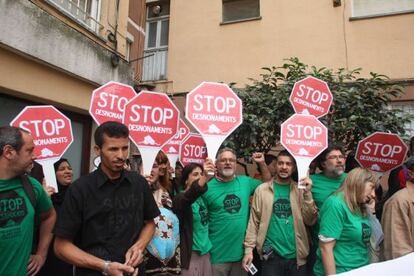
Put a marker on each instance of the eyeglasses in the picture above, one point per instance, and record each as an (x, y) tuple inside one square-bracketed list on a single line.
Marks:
[(230, 160), (337, 157)]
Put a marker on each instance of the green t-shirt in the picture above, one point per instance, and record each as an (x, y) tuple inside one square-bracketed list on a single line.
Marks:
[(351, 232), (228, 209), (324, 186), (17, 223), (201, 242), (281, 233)]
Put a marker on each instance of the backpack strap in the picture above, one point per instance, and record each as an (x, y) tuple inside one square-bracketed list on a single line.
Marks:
[(29, 190)]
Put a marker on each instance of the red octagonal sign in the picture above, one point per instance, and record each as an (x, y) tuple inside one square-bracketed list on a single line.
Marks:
[(304, 136), (311, 96), (381, 152), (214, 109), (152, 119), (108, 102), (50, 129), (193, 150), (173, 146)]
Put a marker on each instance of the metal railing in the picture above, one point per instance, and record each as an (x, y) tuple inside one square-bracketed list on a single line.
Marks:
[(155, 66)]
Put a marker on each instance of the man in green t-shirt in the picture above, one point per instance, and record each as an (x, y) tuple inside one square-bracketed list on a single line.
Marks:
[(227, 202), (331, 162), (278, 219), (16, 210)]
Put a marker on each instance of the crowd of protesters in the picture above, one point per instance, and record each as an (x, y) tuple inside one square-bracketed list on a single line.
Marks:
[(199, 220)]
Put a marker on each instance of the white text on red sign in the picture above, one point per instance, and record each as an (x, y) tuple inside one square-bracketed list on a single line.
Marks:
[(120, 102), (195, 151), (303, 135), (212, 104), (46, 127)]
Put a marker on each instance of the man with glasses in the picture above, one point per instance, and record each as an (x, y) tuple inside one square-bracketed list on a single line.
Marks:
[(331, 162), (227, 201)]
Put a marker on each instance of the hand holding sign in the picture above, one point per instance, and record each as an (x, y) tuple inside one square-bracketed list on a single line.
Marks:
[(52, 136)]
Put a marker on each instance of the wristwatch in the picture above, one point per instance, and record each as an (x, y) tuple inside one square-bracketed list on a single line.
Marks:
[(106, 268)]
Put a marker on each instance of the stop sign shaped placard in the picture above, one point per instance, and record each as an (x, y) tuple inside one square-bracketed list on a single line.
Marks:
[(152, 119), (381, 152), (108, 102), (304, 136), (173, 146), (193, 150), (214, 109), (311, 96), (50, 129)]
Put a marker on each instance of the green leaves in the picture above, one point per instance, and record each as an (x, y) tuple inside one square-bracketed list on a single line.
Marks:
[(359, 108)]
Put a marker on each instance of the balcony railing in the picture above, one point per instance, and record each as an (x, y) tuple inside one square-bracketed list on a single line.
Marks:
[(155, 66)]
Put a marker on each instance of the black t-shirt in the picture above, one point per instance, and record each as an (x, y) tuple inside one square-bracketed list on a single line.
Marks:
[(105, 218)]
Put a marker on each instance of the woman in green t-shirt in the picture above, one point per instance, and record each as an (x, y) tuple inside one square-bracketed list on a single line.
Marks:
[(344, 226), (192, 214)]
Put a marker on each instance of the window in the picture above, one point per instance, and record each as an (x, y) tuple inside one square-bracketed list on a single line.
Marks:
[(156, 42), (374, 8), (240, 10), (86, 12), (407, 107)]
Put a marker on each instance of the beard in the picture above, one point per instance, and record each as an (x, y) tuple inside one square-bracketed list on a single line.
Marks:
[(227, 172), (338, 171)]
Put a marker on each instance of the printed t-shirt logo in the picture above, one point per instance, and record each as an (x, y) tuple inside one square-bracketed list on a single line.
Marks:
[(232, 204), (281, 208), (13, 209), (366, 232), (203, 215)]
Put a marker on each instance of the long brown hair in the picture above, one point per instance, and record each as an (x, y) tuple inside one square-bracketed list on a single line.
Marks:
[(353, 188), (165, 179)]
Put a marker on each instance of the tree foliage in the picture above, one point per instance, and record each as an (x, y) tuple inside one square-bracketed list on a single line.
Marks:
[(360, 106)]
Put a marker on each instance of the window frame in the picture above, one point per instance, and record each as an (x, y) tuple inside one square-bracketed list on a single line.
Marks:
[(158, 20), (374, 14), (93, 15), (225, 22)]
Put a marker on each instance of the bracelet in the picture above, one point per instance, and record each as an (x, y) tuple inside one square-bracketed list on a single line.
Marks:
[(106, 268)]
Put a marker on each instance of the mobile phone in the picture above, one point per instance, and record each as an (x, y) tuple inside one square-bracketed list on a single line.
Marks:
[(252, 269)]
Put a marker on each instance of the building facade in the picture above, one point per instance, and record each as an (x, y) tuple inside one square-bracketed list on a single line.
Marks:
[(230, 40), (58, 51)]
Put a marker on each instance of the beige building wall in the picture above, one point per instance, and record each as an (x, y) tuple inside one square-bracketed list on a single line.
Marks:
[(37, 82), (200, 48)]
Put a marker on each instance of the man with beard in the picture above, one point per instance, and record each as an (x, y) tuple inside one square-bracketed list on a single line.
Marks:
[(331, 162), (107, 217), (278, 219), (227, 201), (17, 210)]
